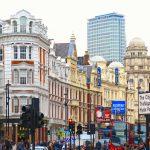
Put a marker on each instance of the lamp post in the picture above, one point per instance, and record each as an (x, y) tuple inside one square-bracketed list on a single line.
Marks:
[(126, 113), (7, 108), (66, 115), (139, 126)]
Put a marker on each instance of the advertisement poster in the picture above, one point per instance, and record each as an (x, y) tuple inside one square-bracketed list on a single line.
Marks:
[(103, 114)]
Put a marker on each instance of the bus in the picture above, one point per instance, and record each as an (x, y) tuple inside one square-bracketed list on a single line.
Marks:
[(118, 135)]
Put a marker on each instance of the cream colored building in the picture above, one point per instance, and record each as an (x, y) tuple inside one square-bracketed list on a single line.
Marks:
[(137, 66)]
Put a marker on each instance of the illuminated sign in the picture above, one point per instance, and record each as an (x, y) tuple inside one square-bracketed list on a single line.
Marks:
[(103, 114), (118, 107)]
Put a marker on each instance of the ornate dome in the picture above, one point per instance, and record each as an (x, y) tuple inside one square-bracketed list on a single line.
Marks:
[(115, 64), (97, 59), (137, 42)]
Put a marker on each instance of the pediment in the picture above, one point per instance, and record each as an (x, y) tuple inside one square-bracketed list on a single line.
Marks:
[(22, 13)]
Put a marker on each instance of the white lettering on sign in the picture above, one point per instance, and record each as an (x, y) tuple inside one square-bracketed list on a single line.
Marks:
[(144, 103)]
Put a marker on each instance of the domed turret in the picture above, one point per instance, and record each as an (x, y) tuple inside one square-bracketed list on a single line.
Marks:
[(115, 65), (138, 42)]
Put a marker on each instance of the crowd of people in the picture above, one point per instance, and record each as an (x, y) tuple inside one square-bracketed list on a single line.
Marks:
[(58, 145)]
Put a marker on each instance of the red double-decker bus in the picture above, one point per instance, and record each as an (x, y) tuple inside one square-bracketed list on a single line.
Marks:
[(121, 133)]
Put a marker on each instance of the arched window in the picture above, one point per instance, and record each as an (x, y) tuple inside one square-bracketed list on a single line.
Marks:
[(0, 29), (14, 26), (23, 22), (16, 76), (30, 26)]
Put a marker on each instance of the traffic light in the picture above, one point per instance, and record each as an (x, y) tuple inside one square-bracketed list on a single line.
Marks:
[(92, 128), (26, 116), (79, 129), (71, 126), (39, 120), (87, 128)]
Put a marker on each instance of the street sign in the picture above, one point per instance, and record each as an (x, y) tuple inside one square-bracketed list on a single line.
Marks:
[(118, 107), (144, 103)]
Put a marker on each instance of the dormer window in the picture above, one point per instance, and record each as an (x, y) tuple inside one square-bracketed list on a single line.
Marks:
[(23, 22), (14, 26)]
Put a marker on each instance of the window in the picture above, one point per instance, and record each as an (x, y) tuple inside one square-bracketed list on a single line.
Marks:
[(14, 26), (30, 48), (1, 105), (22, 52), (140, 67), (23, 21), (15, 105), (30, 76), (23, 76), (30, 26), (15, 52), (1, 54), (16, 76), (1, 77), (23, 101), (0, 29)]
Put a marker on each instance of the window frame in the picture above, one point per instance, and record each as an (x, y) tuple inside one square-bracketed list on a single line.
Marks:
[(23, 52)]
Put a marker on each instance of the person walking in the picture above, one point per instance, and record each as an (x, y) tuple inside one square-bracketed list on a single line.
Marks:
[(98, 145)]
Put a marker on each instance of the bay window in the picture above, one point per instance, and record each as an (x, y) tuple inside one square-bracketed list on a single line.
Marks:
[(21, 76)]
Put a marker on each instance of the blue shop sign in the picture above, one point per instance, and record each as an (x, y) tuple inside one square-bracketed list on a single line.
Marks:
[(118, 107)]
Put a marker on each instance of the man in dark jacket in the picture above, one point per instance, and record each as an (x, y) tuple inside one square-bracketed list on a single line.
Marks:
[(98, 145)]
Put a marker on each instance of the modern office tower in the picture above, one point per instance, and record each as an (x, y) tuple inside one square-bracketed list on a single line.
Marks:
[(106, 36)]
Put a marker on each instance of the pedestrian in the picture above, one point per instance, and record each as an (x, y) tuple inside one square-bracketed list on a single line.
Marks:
[(105, 145), (98, 145)]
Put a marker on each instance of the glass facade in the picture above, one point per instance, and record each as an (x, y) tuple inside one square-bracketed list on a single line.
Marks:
[(106, 36)]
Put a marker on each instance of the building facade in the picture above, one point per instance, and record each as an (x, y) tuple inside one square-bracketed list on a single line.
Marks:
[(38, 67), (24, 48), (106, 36), (138, 72)]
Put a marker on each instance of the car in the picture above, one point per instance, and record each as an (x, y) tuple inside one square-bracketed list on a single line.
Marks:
[(40, 148)]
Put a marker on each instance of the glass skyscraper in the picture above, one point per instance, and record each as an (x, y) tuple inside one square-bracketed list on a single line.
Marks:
[(106, 36)]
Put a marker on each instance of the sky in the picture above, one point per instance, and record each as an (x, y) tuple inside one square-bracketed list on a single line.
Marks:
[(64, 17)]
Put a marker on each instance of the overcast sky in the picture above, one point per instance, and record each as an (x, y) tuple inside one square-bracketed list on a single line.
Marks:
[(63, 17)]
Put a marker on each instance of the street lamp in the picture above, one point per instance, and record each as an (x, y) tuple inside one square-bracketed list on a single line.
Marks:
[(66, 115), (7, 108), (139, 126)]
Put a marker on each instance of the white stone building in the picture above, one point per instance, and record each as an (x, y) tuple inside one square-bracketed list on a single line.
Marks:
[(24, 48)]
